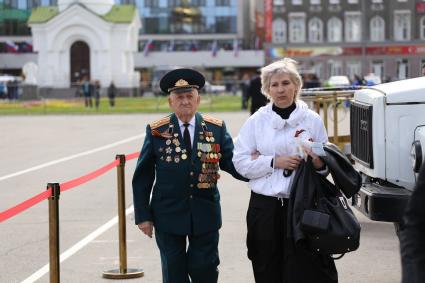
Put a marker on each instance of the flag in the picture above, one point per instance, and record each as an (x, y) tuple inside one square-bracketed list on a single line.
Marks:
[(235, 47), (257, 44), (11, 46), (214, 48), (148, 47), (171, 46), (25, 47)]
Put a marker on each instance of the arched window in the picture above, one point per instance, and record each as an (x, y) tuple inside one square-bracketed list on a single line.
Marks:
[(377, 29), (279, 31), (315, 30), (422, 28), (334, 30)]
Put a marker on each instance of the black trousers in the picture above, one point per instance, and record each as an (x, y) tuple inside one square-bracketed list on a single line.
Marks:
[(273, 256), (183, 256)]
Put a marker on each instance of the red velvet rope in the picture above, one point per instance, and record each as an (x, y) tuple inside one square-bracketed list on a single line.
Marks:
[(9, 213)]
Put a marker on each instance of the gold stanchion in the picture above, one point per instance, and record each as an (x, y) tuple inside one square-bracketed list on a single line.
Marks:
[(325, 113), (123, 272), (54, 232)]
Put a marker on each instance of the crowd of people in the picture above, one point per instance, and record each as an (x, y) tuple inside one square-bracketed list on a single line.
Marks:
[(91, 89)]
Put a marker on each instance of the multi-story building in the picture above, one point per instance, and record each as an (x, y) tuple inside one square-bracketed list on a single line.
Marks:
[(212, 35), (348, 37)]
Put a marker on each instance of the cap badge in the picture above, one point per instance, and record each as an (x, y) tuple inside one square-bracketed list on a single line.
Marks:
[(181, 82)]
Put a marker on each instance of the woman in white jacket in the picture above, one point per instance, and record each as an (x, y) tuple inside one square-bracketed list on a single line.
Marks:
[(267, 151)]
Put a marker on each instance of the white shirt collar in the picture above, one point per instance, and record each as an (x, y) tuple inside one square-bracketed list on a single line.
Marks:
[(191, 122)]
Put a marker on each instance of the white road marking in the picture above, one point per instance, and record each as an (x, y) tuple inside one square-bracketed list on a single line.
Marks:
[(78, 246), (72, 157)]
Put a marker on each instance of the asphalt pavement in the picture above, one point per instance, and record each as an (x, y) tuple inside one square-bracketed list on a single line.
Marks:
[(36, 150)]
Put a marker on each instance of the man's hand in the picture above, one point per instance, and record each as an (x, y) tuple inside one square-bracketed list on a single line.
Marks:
[(287, 162), (146, 227)]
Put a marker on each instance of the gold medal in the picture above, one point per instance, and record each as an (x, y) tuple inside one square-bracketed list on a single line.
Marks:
[(178, 149), (207, 139), (212, 139), (184, 156)]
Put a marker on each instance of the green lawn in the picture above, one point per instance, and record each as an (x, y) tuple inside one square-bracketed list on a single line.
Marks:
[(220, 103)]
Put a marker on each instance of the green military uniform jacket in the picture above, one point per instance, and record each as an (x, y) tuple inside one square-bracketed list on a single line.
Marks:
[(185, 199)]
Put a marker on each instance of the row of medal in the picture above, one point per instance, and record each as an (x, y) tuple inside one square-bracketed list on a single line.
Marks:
[(209, 155), (173, 145)]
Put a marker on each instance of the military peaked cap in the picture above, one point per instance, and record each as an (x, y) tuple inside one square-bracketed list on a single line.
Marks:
[(180, 80)]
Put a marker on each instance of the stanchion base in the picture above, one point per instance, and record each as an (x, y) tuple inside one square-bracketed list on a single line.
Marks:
[(117, 274)]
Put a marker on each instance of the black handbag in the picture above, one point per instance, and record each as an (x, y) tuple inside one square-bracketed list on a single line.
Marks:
[(329, 224)]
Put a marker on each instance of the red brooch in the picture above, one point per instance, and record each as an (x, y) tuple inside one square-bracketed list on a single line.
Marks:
[(298, 133)]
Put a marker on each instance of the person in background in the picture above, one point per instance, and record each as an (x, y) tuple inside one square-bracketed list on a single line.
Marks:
[(267, 152), (254, 93), (244, 85), (97, 94), (87, 92), (412, 235), (179, 164), (112, 92)]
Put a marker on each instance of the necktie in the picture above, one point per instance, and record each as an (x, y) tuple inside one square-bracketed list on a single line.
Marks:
[(186, 137)]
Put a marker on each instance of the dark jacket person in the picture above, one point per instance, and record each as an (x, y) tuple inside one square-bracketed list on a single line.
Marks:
[(412, 236), (179, 165)]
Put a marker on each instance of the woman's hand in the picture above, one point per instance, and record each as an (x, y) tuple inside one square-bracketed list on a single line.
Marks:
[(287, 162), (317, 161), (255, 155)]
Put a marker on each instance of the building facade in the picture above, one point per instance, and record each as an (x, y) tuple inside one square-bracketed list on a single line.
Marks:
[(348, 37), (211, 35)]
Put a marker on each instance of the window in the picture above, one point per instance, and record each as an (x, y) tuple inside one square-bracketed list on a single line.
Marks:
[(334, 30), (422, 28), (378, 68), (377, 29), (297, 27), (352, 26), (152, 3), (315, 30), (333, 1), (297, 2), (278, 2), (354, 69), (353, 1), (402, 69), (402, 25), (279, 31), (314, 2), (377, 1), (335, 68)]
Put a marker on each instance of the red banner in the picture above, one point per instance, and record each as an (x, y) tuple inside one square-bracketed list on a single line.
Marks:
[(268, 20), (420, 8)]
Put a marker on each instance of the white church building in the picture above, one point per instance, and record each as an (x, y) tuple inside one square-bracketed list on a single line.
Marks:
[(92, 39)]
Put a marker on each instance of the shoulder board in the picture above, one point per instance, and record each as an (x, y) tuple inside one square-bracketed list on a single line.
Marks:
[(212, 120), (161, 122)]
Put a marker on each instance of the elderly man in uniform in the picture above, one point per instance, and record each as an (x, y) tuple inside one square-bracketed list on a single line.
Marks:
[(179, 164)]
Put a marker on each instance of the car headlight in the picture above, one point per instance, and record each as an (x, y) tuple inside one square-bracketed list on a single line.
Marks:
[(416, 156)]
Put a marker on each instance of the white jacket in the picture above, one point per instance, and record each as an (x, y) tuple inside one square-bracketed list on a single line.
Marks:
[(270, 135)]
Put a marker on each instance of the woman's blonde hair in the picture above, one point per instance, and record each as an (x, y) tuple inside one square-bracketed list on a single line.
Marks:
[(284, 66)]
